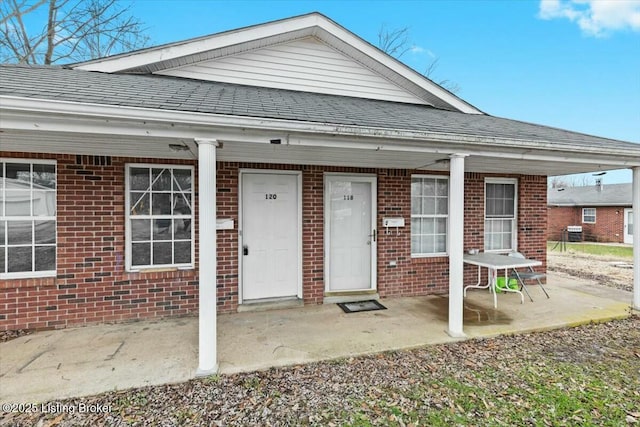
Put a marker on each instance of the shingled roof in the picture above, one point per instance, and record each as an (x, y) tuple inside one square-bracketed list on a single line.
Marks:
[(186, 95), (607, 195)]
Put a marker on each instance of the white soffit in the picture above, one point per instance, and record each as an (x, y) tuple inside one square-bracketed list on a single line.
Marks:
[(194, 55)]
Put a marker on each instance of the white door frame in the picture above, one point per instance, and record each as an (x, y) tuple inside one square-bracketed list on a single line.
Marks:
[(298, 174), (373, 180), (626, 237)]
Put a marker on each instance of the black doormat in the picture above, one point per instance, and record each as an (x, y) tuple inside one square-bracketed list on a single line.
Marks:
[(357, 306)]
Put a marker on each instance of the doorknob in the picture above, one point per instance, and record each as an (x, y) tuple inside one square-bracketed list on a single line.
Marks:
[(245, 250)]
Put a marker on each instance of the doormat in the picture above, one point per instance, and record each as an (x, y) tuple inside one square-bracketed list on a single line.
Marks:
[(357, 306)]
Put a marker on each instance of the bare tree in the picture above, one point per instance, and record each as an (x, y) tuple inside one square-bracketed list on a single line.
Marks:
[(396, 42), (565, 181), (58, 31)]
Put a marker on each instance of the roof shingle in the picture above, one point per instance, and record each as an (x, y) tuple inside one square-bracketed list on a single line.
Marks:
[(186, 95)]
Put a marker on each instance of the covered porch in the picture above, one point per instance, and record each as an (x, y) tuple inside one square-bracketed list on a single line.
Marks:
[(466, 144), (53, 365)]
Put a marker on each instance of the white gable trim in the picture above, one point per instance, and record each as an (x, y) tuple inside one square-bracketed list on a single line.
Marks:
[(250, 38)]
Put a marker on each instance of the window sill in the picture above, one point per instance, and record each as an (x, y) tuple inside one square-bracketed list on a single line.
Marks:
[(438, 255), (27, 275), (160, 269)]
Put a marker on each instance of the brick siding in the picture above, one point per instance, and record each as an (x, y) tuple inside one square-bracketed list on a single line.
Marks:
[(609, 225), (92, 285)]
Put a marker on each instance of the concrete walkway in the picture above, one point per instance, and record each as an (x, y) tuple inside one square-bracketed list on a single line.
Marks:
[(88, 360)]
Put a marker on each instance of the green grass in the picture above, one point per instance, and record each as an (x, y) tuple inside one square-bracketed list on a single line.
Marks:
[(595, 249), (545, 393)]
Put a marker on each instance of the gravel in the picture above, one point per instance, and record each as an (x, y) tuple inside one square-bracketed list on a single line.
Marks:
[(602, 270)]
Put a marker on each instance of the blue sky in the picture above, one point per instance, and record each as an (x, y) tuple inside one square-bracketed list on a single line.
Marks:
[(563, 63)]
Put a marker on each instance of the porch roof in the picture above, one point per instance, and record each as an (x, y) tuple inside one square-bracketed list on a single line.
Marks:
[(59, 110), (185, 95)]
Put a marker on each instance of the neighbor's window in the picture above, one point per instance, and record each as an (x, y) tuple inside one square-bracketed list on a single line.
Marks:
[(589, 215), (27, 218), (429, 215), (159, 211), (500, 215)]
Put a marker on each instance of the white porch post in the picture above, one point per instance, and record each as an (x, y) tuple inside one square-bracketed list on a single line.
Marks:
[(207, 327), (636, 237), (456, 244)]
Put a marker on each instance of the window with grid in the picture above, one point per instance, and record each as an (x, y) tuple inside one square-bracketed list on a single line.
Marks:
[(159, 210), (27, 218), (589, 215), (500, 215), (429, 215)]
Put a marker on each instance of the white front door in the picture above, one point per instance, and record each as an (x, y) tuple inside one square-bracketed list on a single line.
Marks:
[(270, 235), (628, 226), (350, 234)]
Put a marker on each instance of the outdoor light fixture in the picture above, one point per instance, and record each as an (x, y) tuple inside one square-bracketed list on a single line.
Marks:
[(178, 147)]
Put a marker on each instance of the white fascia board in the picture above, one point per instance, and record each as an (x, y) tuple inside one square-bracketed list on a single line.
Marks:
[(195, 46), (63, 116)]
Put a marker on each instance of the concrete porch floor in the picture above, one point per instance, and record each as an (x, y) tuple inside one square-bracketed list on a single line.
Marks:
[(88, 360)]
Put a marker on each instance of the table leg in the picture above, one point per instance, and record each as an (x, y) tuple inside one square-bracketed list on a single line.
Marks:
[(477, 285), (508, 289)]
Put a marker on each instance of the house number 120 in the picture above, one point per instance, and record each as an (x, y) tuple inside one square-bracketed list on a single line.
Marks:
[(270, 196)]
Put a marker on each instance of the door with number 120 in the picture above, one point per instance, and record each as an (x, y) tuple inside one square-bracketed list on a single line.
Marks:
[(270, 236)]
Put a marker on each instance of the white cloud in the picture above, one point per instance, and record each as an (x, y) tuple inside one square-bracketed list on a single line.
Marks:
[(419, 50), (595, 17)]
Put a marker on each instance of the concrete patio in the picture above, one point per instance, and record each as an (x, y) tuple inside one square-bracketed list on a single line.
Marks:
[(88, 360)]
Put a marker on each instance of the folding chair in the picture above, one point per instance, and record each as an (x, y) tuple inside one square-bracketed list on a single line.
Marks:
[(522, 276)]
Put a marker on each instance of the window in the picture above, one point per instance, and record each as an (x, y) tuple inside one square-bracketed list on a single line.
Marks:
[(27, 218), (159, 215), (429, 215), (500, 215), (589, 215)]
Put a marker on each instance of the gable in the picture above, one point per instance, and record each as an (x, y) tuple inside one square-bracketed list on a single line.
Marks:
[(306, 65), (353, 67)]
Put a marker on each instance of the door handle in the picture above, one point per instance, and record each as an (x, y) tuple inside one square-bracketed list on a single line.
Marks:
[(245, 250), (373, 235)]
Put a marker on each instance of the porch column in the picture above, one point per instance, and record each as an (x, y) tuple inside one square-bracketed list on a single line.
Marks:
[(636, 236), (456, 244), (207, 326)]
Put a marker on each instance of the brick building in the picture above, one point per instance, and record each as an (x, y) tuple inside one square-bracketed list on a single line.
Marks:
[(288, 162), (603, 211)]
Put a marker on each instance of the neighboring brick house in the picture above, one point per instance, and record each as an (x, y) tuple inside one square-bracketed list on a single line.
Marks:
[(258, 165), (603, 211)]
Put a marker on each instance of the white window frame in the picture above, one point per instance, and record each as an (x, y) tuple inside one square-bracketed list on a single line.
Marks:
[(6, 219), (434, 254), (584, 221), (128, 217), (514, 227)]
